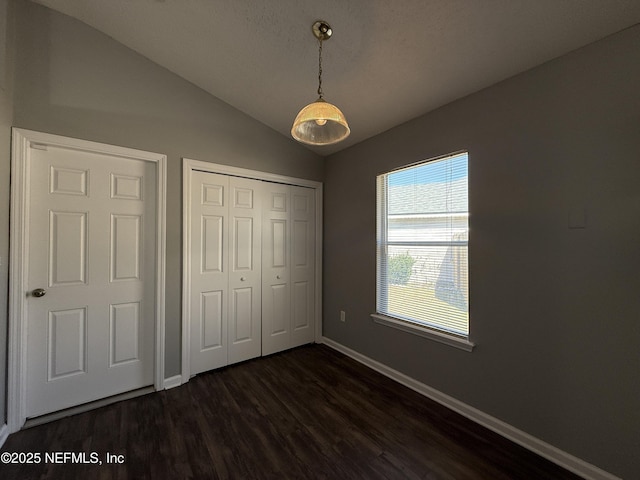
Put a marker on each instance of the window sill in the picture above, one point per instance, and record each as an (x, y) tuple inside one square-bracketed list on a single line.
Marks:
[(441, 337)]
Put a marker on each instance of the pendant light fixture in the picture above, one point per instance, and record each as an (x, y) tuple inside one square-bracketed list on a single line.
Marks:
[(320, 123)]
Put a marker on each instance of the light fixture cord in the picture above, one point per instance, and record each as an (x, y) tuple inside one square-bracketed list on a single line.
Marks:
[(320, 69)]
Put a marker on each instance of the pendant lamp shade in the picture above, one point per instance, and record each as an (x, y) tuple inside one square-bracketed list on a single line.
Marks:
[(320, 123)]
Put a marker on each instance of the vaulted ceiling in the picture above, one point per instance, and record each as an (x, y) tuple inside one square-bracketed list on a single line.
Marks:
[(387, 62)]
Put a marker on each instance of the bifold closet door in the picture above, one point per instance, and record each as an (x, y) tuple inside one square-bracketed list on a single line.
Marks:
[(288, 267), (225, 270), (245, 266), (303, 263)]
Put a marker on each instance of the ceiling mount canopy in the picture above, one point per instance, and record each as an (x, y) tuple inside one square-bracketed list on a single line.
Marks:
[(320, 123)]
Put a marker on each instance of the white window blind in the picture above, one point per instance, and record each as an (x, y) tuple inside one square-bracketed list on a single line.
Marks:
[(423, 236)]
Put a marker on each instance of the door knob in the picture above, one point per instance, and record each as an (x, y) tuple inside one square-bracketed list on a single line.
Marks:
[(242, 279), (278, 277), (39, 292)]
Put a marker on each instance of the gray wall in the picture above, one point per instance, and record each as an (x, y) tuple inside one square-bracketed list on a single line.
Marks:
[(72, 80), (6, 119), (554, 311)]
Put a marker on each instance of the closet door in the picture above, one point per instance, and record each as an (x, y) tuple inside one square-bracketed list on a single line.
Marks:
[(303, 234), (209, 267), (245, 265), (226, 217), (276, 291), (288, 267)]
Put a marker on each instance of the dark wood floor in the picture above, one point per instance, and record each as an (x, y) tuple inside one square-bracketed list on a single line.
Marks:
[(308, 413)]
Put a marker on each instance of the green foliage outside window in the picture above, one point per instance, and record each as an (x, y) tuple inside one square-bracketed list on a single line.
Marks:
[(399, 268)]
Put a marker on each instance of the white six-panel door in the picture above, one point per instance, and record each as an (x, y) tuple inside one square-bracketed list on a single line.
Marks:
[(92, 223), (225, 270)]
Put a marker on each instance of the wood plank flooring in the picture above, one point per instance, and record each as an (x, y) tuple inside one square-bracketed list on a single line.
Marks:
[(309, 413)]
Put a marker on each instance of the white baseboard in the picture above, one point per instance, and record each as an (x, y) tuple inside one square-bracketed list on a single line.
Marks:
[(172, 382), (545, 450), (4, 434)]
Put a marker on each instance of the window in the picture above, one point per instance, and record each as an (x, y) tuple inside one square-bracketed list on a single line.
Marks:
[(422, 257)]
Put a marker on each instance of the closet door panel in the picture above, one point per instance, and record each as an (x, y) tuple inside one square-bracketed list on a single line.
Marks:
[(209, 286), (276, 241), (301, 304), (245, 280), (302, 265)]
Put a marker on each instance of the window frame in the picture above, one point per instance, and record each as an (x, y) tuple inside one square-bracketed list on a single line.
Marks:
[(406, 324)]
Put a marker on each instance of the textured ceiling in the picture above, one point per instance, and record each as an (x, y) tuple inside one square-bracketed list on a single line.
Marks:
[(387, 62)]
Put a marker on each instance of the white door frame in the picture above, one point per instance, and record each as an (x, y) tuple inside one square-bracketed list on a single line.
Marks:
[(187, 166), (22, 142)]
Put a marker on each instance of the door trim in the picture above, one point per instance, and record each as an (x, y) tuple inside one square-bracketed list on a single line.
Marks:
[(188, 165), (22, 141)]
